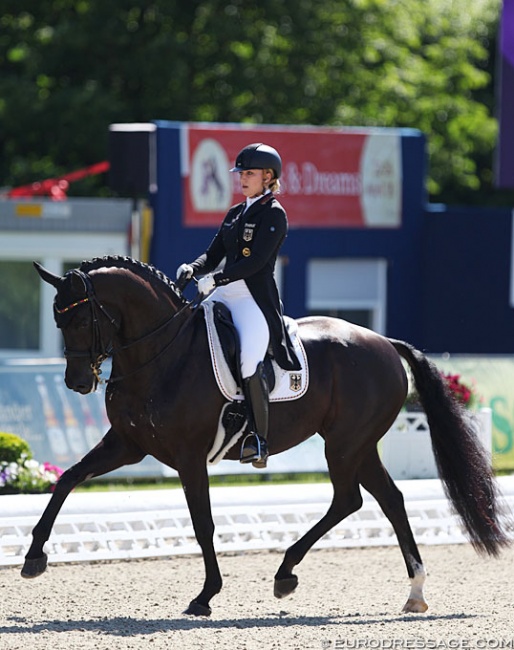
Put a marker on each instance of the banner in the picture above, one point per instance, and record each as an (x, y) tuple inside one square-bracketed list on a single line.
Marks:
[(60, 426), (331, 177), (493, 378)]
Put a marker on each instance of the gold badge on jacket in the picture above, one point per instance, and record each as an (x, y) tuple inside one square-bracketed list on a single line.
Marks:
[(246, 252)]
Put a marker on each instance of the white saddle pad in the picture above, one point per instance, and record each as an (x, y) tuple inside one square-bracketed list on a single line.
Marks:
[(289, 385)]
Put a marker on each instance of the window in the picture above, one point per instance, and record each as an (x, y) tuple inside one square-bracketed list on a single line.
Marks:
[(67, 266), (63, 232), (19, 306), (361, 317), (352, 289)]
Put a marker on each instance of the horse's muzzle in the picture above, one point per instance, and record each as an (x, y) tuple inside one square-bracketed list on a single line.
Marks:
[(84, 383), (83, 389)]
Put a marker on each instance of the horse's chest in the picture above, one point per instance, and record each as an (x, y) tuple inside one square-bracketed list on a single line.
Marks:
[(131, 417)]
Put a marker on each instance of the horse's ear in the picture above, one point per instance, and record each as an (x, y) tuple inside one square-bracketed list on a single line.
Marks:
[(47, 276), (77, 282)]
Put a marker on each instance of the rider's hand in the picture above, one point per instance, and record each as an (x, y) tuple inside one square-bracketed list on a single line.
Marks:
[(186, 271), (206, 284)]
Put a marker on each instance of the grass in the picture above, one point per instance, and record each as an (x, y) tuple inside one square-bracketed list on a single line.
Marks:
[(120, 485)]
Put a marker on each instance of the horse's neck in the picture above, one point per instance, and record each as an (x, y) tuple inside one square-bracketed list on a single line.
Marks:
[(142, 305)]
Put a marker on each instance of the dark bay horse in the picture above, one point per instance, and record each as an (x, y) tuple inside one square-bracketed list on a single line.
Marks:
[(162, 399)]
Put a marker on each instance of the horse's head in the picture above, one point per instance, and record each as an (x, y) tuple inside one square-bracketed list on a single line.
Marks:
[(86, 325)]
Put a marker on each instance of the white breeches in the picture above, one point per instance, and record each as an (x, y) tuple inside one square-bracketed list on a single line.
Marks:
[(249, 321)]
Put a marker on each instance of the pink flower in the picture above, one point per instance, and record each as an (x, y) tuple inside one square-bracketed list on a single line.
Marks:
[(462, 392), (53, 469)]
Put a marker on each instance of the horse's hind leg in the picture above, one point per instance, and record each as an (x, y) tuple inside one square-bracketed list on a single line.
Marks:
[(346, 499), (110, 454), (375, 479)]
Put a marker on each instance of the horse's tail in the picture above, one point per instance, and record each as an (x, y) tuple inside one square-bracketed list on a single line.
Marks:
[(462, 462)]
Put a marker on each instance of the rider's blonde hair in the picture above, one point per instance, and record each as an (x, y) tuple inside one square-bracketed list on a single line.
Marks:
[(274, 184)]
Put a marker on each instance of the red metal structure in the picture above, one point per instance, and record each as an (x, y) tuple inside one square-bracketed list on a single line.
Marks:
[(56, 188)]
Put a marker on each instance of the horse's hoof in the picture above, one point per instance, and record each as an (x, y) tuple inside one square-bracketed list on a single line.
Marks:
[(34, 568), (197, 609), (415, 605), (285, 586)]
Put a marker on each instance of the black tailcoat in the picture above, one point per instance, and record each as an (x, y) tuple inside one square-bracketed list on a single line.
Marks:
[(250, 243)]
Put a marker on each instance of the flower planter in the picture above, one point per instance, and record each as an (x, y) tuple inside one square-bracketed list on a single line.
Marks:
[(406, 448)]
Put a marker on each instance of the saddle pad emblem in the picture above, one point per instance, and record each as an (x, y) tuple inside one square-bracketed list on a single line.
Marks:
[(295, 381)]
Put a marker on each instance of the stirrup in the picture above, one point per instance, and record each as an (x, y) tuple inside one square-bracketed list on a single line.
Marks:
[(254, 450)]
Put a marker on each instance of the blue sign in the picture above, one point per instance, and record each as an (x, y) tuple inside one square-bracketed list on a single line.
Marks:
[(60, 426)]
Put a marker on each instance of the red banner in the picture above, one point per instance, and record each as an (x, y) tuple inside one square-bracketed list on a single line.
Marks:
[(331, 177)]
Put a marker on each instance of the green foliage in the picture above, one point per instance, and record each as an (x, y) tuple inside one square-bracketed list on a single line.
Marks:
[(72, 67), (19, 472), (13, 448)]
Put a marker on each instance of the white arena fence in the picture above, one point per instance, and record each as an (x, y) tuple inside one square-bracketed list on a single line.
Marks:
[(141, 524)]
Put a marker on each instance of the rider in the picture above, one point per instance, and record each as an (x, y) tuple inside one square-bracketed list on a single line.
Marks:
[(248, 243)]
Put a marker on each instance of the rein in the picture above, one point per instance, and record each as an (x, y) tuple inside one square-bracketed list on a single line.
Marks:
[(113, 380), (99, 352)]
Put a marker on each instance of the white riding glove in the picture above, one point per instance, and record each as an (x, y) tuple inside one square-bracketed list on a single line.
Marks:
[(206, 284), (185, 270)]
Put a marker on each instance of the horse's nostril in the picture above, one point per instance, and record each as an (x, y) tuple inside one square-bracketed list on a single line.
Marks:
[(83, 389)]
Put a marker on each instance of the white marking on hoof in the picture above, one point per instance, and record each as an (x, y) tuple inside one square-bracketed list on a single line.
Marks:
[(417, 606), (416, 601)]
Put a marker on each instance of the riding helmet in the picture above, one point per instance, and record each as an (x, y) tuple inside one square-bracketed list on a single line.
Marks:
[(258, 156)]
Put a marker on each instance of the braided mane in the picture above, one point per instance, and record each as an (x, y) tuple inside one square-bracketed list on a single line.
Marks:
[(147, 271)]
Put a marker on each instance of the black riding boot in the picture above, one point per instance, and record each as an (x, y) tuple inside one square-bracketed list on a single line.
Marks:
[(255, 447)]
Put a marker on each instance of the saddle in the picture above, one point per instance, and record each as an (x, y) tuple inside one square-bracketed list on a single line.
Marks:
[(231, 347), (224, 348)]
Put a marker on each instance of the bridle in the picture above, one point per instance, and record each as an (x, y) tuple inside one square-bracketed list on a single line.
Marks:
[(100, 349)]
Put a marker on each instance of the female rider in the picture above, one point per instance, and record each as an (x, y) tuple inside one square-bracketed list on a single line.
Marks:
[(248, 243)]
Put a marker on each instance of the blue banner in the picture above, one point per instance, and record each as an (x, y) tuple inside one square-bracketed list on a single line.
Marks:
[(60, 426)]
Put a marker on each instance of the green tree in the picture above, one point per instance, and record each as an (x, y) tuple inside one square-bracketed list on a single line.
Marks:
[(69, 68)]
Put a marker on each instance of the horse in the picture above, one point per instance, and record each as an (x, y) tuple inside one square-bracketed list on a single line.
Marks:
[(161, 373)]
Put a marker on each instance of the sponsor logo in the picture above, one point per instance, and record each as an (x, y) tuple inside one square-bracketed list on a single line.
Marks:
[(210, 182)]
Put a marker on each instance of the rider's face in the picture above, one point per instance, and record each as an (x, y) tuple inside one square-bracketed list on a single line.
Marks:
[(253, 181)]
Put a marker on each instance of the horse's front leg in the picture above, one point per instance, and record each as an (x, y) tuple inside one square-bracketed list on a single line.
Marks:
[(110, 454), (195, 481)]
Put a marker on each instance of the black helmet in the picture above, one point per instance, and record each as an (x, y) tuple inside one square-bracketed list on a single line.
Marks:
[(258, 156)]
